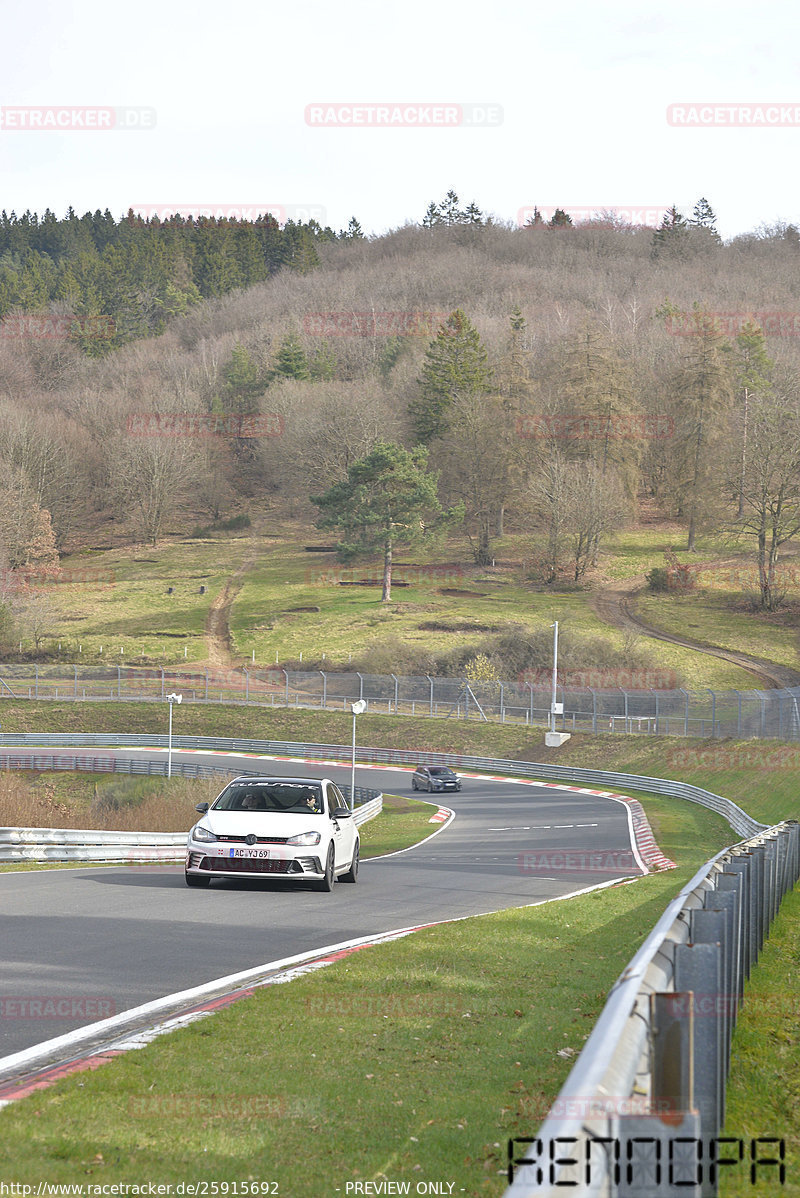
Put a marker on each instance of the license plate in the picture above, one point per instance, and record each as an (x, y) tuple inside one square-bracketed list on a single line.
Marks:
[(245, 850)]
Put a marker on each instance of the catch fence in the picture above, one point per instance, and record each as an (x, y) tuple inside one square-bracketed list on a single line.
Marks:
[(674, 712)]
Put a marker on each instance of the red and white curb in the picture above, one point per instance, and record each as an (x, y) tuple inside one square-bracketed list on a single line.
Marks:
[(441, 815)]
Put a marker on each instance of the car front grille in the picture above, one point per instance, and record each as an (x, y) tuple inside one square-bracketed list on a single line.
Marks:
[(247, 865), (258, 840)]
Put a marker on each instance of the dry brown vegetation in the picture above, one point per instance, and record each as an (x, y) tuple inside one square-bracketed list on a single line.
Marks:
[(121, 804)]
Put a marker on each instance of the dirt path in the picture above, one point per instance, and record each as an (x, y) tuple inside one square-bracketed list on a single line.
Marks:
[(218, 629), (615, 604)]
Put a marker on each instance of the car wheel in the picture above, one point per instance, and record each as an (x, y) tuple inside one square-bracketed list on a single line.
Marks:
[(197, 880), (352, 873), (330, 872), (414, 784)]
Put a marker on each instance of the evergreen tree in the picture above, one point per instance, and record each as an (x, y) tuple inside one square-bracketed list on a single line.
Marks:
[(432, 216), (291, 361), (353, 232), (670, 239), (703, 217), (389, 499), (560, 219), (455, 365)]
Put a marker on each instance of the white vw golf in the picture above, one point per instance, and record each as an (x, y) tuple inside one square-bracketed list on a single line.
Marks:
[(298, 829)]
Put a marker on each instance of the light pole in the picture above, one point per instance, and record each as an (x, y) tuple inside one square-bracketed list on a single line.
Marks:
[(173, 698), (356, 709), (555, 678), (552, 738)]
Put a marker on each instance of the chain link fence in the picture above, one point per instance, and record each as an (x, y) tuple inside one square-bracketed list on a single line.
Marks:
[(704, 713)]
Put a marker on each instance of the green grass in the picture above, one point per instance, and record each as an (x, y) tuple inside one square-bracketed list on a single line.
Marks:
[(707, 617), (764, 1086), (412, 1061), (121, 613)]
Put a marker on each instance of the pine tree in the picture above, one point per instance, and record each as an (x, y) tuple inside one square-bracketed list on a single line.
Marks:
[(353, 232), (703, 217), (560, 219), (432, 216), (455, 365), (670, 239), (388, 499), (291, 361)]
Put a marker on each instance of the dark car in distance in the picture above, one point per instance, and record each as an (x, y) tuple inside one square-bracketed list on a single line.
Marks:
[(434, 777)]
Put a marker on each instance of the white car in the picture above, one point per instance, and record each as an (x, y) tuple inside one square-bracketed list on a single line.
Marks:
[(297, 829)]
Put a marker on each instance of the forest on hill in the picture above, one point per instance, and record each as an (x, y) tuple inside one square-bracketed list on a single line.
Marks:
[(553, 376)]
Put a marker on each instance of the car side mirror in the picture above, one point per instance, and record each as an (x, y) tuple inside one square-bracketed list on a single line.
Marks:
[(341, 813), (202, 808)]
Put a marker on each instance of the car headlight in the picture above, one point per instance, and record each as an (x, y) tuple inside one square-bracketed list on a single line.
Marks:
[(201, 833), (305, 838)]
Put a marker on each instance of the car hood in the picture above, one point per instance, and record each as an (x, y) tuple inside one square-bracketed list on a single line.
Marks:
[(262, 823)]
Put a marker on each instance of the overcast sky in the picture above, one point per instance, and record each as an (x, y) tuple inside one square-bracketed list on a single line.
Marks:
[(574, 100)]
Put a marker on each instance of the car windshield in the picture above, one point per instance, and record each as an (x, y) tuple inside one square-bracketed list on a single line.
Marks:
[(294, 798), (440, 772)]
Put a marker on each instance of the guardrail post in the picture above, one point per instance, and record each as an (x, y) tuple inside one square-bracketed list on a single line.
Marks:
[(672, 1029), (711, 926), (697, 968)]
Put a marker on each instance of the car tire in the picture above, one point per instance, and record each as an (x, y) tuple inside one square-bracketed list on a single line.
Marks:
[(352, 873), (326, 884), (414, 784), (196, 880)]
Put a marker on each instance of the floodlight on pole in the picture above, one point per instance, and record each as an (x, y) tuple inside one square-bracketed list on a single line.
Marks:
[(357, 709), (171, 698)]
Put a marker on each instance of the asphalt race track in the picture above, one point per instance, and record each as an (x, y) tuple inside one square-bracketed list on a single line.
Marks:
[(110, 938)]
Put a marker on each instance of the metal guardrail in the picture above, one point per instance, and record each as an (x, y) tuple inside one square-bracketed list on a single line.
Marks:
[(650, 1083), (624, 700), (742, 823)]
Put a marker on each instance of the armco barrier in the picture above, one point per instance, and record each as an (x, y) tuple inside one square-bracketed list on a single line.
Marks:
[(739, 820), (643, 1106)]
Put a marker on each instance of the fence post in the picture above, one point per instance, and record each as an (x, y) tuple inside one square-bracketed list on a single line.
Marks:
[(324, 688), (76, 682), (360, 685), (37, 681), (431, 682), (246, 684), (396, 691), (739, 715), (286, 676), (162, 683), (713, 711), (119, 682), (686, 716), (502, 704)]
